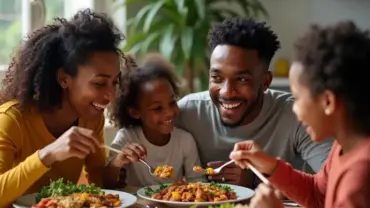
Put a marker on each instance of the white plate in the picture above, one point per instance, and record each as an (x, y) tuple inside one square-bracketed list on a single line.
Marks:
[(29, 200), (242, 193)]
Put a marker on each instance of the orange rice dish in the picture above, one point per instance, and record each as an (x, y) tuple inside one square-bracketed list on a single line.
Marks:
[(195, 192), (164, 171)]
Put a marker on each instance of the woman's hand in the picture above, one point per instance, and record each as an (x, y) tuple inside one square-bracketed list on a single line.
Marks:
[(249, 152), (75, 142), (131, 152), (265, 197)]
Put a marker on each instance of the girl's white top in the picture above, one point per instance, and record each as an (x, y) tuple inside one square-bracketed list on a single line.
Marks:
[(180, 152)]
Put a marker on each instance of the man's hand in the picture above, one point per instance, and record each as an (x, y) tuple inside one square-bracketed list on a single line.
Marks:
[(231, 174)]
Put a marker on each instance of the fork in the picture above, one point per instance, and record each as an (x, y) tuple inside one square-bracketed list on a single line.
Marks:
[(253, 169), (150, 168), (218, 170)]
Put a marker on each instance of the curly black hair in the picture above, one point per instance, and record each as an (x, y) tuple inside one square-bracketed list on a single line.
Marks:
[(337, 58), (32, 75), (245, 33), (153, 67)]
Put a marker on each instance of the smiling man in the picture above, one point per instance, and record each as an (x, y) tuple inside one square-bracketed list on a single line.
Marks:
[(240, 106)]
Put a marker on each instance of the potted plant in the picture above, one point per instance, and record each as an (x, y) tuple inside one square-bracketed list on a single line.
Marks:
[(178, 29)]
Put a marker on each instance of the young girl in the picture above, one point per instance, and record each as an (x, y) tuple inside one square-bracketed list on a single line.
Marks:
[(145, 112), (329, 79)]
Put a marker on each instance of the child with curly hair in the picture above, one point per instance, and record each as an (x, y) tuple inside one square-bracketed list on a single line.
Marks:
[(145, 112), (329, 80)]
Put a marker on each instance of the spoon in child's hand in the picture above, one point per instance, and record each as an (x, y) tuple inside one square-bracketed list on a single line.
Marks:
[(150, 168)]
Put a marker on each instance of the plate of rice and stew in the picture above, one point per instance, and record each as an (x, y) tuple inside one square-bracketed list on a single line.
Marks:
[(64, 194), (186, 194)]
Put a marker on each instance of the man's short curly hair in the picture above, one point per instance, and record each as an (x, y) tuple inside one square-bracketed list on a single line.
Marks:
[(245, 33), (32, 74), (337, 58), (153, 67)]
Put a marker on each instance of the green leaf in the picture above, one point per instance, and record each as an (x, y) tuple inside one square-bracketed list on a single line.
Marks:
[(136, 48), (182, 10), (227, 12), (199, 53), (187, 37), (216, 16), (130, 22), (258, 8), (149, 41), (133, 40), (201, 8), (179, 61), (245, 6), (136, 21), (155, 7), (118, 4), (252, 6), (130, 1), (149, 191), (167, 43), (64, 188), (180, 4), (178, 29)]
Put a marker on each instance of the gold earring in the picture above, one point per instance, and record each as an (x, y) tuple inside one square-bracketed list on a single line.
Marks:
[(327, 111)]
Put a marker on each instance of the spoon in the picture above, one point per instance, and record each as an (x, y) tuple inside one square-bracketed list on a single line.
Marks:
[(150, 168)]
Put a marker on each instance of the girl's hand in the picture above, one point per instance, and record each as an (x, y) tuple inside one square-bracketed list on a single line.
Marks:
[(131, 152), (75, 142), (249, 152), (265, 197)]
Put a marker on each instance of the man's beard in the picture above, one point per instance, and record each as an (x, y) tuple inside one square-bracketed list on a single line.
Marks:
[(247, 112)]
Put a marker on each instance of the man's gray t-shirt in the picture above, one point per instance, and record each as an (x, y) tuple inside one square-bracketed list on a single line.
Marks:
[(276, 129)]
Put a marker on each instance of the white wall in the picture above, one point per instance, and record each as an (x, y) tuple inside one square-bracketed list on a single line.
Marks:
[(290, 18)]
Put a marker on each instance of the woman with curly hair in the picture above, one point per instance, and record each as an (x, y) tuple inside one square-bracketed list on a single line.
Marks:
[(52, 103), (329, 80)]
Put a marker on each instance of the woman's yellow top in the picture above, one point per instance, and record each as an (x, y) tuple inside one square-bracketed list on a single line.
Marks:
[(22, 134)]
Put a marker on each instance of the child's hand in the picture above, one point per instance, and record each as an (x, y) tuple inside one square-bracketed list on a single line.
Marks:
[(265, 197), (249, 152), (130, 153)]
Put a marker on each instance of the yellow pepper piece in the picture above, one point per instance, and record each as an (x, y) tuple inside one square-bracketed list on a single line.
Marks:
[(210, 171), (176, 195), (84, 196)]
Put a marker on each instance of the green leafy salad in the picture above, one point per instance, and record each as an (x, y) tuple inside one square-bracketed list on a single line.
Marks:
[(64, 188), (149, 191)]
